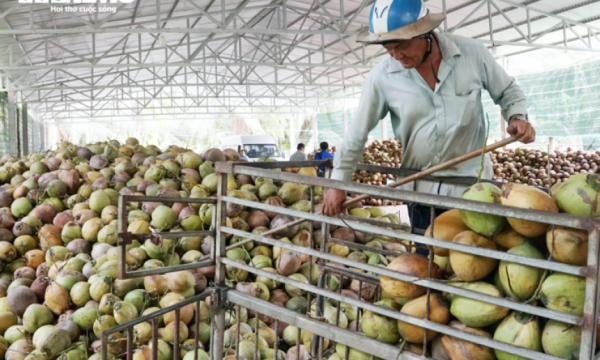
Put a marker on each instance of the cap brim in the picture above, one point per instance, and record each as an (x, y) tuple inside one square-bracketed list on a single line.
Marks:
[(422, 26)]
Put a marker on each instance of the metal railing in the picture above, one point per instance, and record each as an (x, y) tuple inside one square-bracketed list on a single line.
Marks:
[(153, 319), (125, 238), (588, 321)]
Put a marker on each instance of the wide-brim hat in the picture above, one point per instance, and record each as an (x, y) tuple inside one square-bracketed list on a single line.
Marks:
[(420, 27)]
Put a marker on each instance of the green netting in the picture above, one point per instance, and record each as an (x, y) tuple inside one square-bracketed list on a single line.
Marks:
[(562, 103)]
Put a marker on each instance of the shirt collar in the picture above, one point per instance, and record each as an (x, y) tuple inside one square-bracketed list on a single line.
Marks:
[(448, 48)]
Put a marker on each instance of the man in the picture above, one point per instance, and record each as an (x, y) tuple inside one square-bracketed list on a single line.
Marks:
[(299, 155), (431, 85), (322, 155), (243, 155)]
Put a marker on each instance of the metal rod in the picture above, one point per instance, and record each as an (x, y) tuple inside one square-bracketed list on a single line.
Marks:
[(588, 336), (433, 284), (436, 168), (543, 264)]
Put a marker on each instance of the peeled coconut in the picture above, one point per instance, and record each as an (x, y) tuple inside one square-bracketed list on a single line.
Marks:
[(561, 340), (446, 227), (580, 195), (527, 197), (409, 264), (438, 312), (567, 245), (518, 329), (477, 313), (564, 293), (469, 267), (521, 281), (457, 348), (484, 224)]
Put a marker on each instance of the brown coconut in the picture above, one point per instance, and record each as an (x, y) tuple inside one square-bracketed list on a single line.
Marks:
[(527, 197), (19, 299), (214, 155), (409, 264), (461, 349), (446, 227), (439, 312), (567, 245), (288, 263), (508, 238), (470, 267), (258, 219), (39, 286)]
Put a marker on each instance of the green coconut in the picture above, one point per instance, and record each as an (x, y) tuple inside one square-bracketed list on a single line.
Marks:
[(519, 329), (164, 218), (266, 190), (36, 316), (564, 293), (580, 195), (483, 224), (124, 312), (85, 317), (55, 342), (99, 200), (521, 281), (561, 340), (477, 313), (290, 192), (379, 327)]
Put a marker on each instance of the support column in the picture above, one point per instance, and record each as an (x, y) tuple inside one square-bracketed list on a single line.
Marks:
[(13, 133), (25, 130), (315, 131), (345, 120)]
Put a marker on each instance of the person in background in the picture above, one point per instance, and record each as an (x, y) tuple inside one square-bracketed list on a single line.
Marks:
[(322, 155), (299, 155), (243, 155)]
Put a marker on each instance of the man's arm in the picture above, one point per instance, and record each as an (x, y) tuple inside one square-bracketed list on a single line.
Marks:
[(505, 92), (372, 108)]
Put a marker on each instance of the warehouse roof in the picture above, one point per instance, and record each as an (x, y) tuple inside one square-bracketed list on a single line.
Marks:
[(195, 58)]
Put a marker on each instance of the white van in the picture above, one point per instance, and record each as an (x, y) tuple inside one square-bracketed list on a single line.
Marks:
[(256, 146)]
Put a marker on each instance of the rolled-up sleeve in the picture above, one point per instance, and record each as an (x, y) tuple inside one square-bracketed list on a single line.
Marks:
[(371, 109), (503, 88)]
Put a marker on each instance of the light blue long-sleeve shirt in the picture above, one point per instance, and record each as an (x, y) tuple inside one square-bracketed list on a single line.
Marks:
[(433, 125)]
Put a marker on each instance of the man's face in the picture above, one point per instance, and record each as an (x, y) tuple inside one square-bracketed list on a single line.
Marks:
[(409, 52)]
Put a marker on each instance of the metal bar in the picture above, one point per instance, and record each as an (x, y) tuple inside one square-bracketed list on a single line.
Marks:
[(220, 242), (368, 345), (154, 338), (429, 283), (410, 196), (362, 247), (588, 336), (176, 336), (438, 167), (136, 198), (331, 332), (130, 343), (543, 264), (169, 235), (146, 318)]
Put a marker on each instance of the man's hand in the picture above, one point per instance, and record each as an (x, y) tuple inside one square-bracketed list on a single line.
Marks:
[(332, 203), (522, 130)]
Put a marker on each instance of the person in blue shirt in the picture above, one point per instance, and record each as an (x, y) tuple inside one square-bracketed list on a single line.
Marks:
[(324, 154)]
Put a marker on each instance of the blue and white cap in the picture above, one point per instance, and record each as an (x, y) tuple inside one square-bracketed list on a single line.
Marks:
[(399, 20)]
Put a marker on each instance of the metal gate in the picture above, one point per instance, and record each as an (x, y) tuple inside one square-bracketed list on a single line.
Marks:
[(228, 304)]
